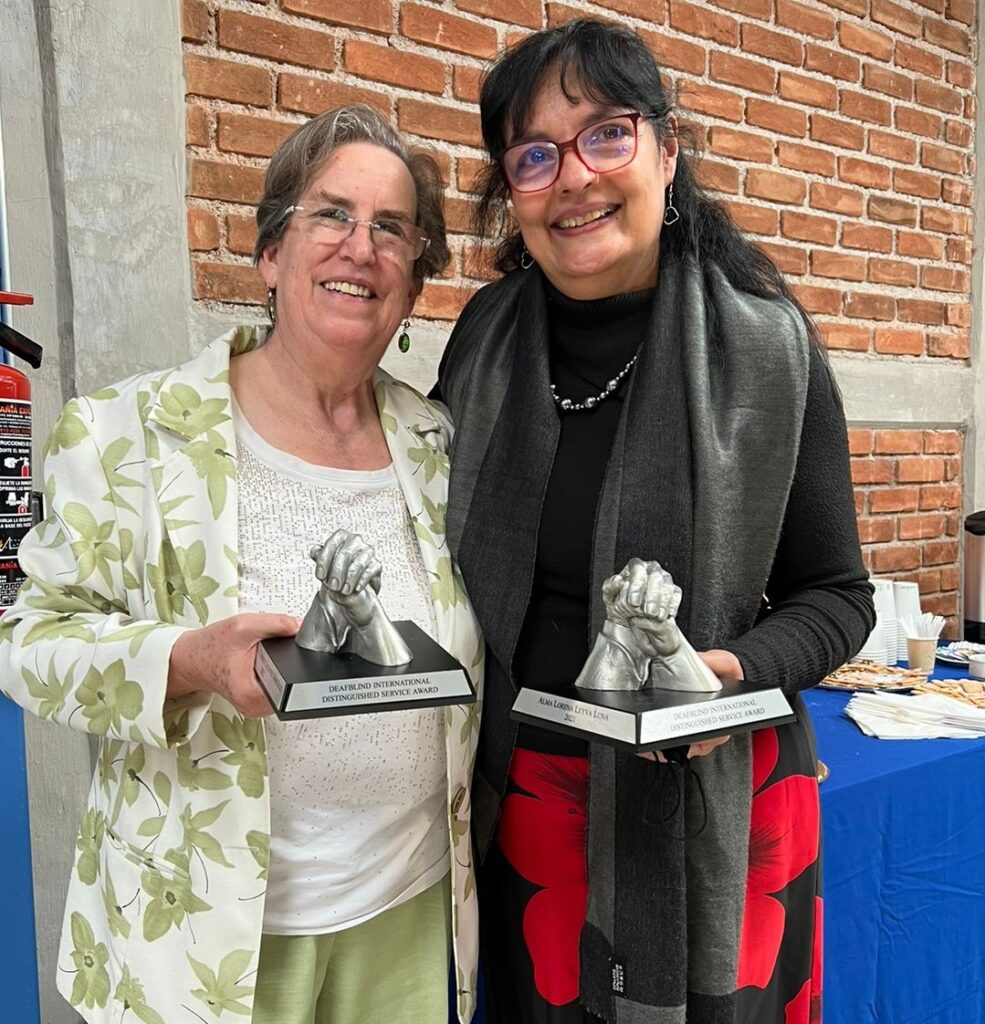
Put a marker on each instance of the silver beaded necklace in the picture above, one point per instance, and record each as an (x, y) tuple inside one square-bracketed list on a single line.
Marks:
[(569, 405)]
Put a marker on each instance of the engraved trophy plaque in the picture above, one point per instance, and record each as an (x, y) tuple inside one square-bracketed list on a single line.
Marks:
[(644, 686), (348, 657)]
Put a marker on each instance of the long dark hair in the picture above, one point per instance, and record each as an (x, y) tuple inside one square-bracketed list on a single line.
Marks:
[(610, 65)]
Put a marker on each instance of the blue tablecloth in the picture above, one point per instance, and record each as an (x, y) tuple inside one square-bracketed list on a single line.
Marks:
[(904, 874)]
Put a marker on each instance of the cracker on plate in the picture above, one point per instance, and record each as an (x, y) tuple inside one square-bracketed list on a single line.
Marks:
[(968, 691), (870, 675)]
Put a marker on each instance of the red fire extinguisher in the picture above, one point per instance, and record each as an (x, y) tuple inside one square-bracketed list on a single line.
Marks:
[(16, 516)]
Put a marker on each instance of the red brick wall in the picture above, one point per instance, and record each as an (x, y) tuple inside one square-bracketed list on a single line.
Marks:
[(908, 497), (840, 132)]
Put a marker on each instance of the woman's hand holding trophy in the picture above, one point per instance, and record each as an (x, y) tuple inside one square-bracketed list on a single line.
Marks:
[(640, 644)]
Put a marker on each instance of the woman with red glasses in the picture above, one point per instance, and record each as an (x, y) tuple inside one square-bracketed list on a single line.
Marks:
[(641, 383)]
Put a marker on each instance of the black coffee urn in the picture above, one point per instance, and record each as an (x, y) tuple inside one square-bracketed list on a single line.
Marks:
[(974, 577)]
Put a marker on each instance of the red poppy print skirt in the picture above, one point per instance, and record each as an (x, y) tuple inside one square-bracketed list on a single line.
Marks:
[(533, 888), (780, 950)]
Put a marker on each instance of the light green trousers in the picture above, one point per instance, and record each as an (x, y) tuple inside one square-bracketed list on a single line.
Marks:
[(392, 969)]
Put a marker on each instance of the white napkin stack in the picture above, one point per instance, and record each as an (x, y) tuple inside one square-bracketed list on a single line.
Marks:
[(894, 716)]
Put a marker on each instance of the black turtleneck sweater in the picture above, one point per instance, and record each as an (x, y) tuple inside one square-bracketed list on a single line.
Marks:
[(589, 343)]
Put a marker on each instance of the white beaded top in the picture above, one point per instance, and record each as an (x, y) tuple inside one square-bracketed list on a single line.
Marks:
[(358, 815)]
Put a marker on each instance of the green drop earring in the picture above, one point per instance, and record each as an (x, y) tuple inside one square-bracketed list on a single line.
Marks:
[(403, 342)]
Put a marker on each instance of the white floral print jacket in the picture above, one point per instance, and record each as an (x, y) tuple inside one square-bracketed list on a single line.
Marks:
[(165, 903)]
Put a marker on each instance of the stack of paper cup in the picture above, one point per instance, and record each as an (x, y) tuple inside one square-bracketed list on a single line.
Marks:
[(906, 596), (886, 617), (874, 648)]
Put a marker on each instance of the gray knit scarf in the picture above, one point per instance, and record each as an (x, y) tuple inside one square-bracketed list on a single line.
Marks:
[(698, 479)]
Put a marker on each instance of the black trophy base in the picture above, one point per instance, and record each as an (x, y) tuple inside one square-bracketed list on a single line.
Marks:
[(651, 719), (312, 684)]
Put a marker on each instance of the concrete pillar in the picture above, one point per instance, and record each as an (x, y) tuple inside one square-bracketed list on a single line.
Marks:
[(92, 108)]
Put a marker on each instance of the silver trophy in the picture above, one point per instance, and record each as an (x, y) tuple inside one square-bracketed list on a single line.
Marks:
[(640, 645), (644, 687), (346, 615), (348, 657)]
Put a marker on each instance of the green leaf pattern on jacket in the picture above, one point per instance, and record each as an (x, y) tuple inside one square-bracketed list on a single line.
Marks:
[(247, 751), (196, 836), (88, 842), (131, 993), (132, 786), (430, 459), (118, 924), (69, 431), (259, 843), (107, 697), (164, 906), (192, 775), (59, 627), (53, 693), (223, 990), (179, 576), (185, 412), (171, 899), (91, 986), (112, 460), (446, 589), (215, 466), (94, 550)]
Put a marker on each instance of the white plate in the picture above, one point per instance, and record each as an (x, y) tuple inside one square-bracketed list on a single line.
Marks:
[(956, 652), (952, 659)]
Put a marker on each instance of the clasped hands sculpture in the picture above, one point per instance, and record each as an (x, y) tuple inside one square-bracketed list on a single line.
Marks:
[(640, 645), (346, 615)]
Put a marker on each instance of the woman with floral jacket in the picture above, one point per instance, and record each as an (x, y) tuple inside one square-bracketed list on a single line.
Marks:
[(231, 865)]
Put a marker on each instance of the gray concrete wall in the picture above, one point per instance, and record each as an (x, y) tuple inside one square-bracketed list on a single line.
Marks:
[(58, 760), (892, 391), (120, 95), (92, 115)]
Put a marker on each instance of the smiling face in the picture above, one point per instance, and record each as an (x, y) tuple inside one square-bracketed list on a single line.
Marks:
[(593, 234), (349, 295)]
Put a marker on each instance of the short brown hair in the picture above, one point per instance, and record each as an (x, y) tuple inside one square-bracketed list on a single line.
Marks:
[(305, 150)]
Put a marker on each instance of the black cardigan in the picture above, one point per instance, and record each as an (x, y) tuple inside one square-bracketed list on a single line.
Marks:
[(818, 552), (732, 427)]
